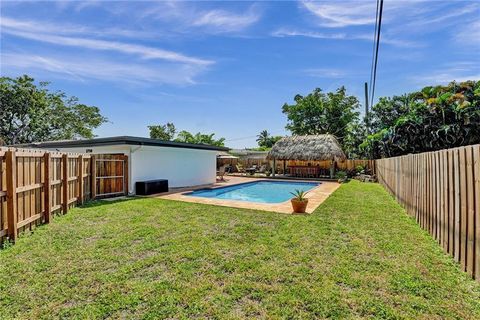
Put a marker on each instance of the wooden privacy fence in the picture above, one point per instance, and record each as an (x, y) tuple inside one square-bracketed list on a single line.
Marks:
[(110, 175), (442, 191), (35, 184), (346, 165)]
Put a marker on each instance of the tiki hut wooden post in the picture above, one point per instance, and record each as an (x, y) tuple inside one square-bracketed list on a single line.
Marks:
[(332, 168), (322, 147), (273, 168)]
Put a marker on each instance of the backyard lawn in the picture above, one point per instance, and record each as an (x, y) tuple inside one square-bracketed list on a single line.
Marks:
[(359, 255)]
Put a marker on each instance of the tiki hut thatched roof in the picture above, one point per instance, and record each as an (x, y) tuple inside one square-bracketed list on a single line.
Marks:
[(307, 148)]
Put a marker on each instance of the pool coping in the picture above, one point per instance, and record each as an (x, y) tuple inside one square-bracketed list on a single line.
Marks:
[(315, 196)]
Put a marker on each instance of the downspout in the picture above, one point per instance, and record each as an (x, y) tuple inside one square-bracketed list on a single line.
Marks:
[(130, 166)]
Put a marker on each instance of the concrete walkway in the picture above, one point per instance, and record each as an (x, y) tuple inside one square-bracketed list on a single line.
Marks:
[(315, 196)]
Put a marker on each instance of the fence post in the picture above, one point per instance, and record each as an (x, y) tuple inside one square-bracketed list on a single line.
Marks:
[(11, 164), (65, 182), (80, 180), (93, 173), (46, 188)]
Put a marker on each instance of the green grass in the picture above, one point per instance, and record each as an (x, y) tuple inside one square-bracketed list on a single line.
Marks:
[(358, 256)]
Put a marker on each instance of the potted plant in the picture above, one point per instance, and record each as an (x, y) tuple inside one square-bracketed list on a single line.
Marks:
[(299, 202), (341, 176)]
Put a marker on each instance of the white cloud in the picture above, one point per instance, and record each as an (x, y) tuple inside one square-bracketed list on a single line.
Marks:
[(86, 4), (285, 32), (71, 29), (145, 52), (469, 34), (81, 69), (186, 17), (226, 21), (325, 73), (342, 14), (401, 18), (443, 18), (345, 13), (131, 62), (445, 78), (459, 71)]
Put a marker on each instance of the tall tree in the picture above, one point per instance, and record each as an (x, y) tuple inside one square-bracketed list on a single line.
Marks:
[(320, 113), (168, 132), (388, 110), (164, 132), (263, 138), (199, 138), (356, 134), (266, 141), (31, 112), (274, 139)]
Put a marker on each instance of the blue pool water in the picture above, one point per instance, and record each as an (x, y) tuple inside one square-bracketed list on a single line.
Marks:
[(258, 191)]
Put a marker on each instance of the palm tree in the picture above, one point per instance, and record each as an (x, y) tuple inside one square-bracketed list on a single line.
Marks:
[(263, 138)]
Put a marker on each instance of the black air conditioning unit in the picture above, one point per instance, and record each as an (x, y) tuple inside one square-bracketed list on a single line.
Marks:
[(144, 188)]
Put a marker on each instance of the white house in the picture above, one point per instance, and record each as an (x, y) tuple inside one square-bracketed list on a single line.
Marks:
[(183, 164)]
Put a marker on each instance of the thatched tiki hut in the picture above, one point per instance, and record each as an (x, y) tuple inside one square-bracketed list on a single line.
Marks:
[(308, 148)]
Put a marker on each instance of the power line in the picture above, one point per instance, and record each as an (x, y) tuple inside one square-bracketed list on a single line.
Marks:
[(373, 48), (376, 52), (249, 137)]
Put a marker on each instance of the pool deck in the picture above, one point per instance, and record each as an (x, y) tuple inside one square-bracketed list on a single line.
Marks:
[(315, 196)]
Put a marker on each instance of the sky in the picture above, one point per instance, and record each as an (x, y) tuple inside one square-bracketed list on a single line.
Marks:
[(228, 67)]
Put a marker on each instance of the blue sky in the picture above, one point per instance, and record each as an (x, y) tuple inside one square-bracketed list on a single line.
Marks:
[(228, 67)]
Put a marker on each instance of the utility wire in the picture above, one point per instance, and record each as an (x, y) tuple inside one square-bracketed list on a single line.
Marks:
[(249, 137), (376, 51), (373, 49)]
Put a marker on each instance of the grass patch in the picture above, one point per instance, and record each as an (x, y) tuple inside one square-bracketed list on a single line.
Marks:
[(358, 256)]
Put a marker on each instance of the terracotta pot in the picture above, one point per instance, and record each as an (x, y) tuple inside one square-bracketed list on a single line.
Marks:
[(299, 206)]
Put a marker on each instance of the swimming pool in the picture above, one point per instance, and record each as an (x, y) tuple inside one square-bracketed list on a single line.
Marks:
[(257, 191)]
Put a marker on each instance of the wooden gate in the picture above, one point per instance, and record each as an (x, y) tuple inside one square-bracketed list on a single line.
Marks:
[(110, 175)]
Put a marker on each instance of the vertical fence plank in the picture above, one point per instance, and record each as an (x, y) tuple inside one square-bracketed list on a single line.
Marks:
[(451, 203), (422, 190), (65, 183), (476, 166), (445, 200), (47, 188), (463, 208), (438, 198), (457, 204), (442, 177), (80, 191), (470, 228), (431, 214), (435, 196), (11, 164)]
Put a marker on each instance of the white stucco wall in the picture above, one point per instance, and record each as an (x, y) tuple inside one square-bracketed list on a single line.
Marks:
[(181, 166)]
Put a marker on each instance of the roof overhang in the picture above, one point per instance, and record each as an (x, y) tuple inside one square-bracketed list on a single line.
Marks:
[(121, 140)]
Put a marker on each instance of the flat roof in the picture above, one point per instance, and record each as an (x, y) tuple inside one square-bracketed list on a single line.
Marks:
[(128, 140)]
